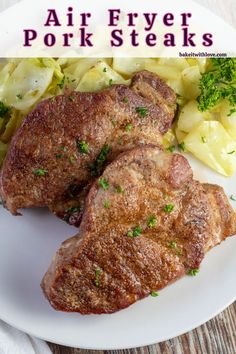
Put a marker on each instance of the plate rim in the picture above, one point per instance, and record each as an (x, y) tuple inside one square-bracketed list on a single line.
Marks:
[(196, 324)]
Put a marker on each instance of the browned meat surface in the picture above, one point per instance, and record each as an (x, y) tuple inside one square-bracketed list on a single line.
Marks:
[(48, 159), (146, 223)]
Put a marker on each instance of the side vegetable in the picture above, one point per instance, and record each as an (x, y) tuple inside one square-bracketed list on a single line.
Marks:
[(205, 88)]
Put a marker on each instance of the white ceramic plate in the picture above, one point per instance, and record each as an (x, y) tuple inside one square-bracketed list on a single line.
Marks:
[(27, 245)]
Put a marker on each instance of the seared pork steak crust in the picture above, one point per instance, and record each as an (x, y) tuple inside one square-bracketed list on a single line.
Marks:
[(64, 142), (146, 223)]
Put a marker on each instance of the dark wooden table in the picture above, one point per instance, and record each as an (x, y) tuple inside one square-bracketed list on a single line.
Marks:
[(217, 336)]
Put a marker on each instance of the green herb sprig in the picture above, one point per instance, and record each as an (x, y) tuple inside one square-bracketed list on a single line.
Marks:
[(97, 166), (40, 172), (82, 146), (193, 272), (135, 232), (218, 84), (142, 111)]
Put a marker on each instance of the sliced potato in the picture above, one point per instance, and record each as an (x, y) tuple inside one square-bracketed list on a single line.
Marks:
[(190, 117), (191, 79), (98, 77), (211, 143)]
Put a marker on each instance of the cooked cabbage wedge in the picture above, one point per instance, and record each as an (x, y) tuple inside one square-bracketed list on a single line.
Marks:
[(26, 84), (191, 78), (190, 117), (128, 66), (211, 144), (210, 136), (100, 76)]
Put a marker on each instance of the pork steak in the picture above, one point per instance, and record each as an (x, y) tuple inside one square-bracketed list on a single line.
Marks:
[(146, 223), (65, 141)]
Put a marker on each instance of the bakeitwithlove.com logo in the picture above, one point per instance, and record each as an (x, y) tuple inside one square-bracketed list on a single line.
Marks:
[(116, 18), (122, 28)]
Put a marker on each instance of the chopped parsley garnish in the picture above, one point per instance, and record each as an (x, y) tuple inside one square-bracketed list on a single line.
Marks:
[(152, 221), (97, 276), (71, 98), (168, 208), (113, 122), (70, 212), (203, 138), (59, 156), (4, 110), (142, 111), (231, 152), (40, 172), (19, 96), (232, 111), (119, 189), (62, 83), (104, 70), (125, 100), (128, 127), (110, 82), (173, 245), (103, 183), (171, 148), (154, 293), (73, 210), (63, 148), (106, 204), (72, 160), (135, 232), (82, 146), (181, 146), (120, 141), (218, 84), (97, 166), (193, 272)]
